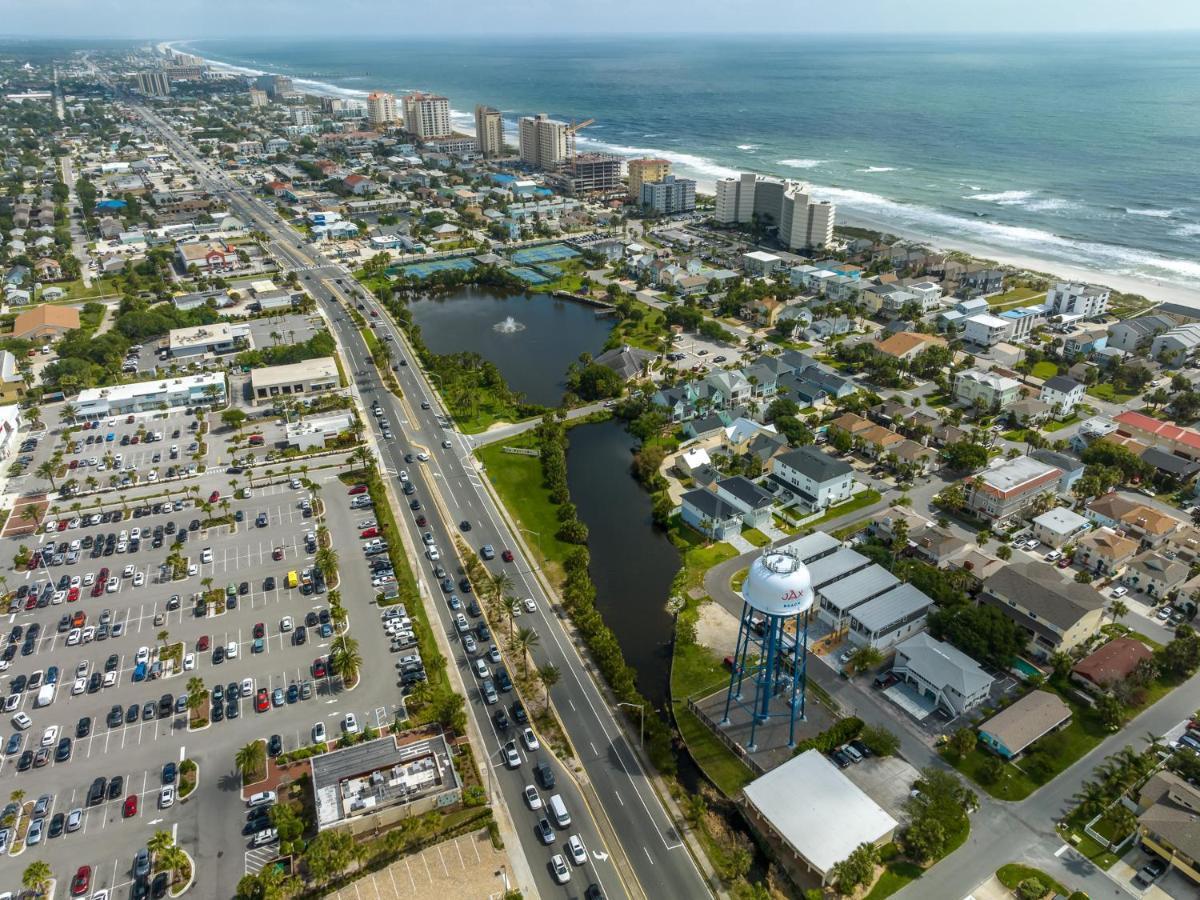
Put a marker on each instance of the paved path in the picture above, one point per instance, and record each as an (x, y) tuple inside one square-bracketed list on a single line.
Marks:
[(504, 431)]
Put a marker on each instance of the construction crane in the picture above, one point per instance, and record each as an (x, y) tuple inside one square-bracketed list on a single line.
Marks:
[(575, 129)]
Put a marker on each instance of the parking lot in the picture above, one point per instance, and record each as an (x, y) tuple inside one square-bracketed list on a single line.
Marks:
[(116, 709)]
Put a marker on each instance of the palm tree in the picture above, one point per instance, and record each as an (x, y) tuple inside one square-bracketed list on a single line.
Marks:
[(16, 796), (37, 877), (548, 675), (346, 659), (163, 636), (327, 563), (502, 583), (1118, 610), (173, 858), (196, 692), (1091, 798), (250, 757), (523, 641), (46, 470), (160, 842)]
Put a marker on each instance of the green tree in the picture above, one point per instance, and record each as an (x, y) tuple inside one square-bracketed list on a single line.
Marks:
[(1031, 889), (548, 675), (251, 758), (346, 659), (965, 456), (963, 741), (856, 869), (329, 853), (925, 839), (37, 876), (523, 642), (879, 740)]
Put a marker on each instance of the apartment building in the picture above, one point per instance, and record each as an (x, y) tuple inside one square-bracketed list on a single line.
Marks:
[(153, 83), (1056, 615), (590, 173), (427, 115), (489, 131), (645, 171), (805, 222), (990, 390), (669, 195), (788, 205), (1077, 301), (381, 109), (1009, 487), (544, 142)]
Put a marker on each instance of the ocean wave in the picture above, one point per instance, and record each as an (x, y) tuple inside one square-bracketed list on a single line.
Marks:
[(1053, 204), (1188, 230), (1004, 198), (750, 147), (870, 170), (801, 163), (307, 85), (1152, 213), (1030, 242)]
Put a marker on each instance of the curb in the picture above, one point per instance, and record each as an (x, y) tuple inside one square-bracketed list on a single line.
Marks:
[(192, 880), (193, 794)]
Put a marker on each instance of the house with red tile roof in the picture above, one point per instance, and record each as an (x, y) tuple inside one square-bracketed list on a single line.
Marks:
[(1183, 442)]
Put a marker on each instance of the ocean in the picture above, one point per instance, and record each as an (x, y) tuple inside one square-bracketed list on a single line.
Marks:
[(1076, 152)]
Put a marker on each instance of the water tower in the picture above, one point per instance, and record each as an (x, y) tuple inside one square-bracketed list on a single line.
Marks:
[(772, 643)]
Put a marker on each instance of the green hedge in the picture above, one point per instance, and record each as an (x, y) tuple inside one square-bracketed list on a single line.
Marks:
[(832, 737)]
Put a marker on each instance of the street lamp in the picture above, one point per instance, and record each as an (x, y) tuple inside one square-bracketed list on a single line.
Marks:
[(641, 708), (536, 534)]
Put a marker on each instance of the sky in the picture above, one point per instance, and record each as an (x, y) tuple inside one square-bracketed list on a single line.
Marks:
[(407, 18)]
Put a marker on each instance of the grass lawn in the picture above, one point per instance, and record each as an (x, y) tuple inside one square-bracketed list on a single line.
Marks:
[(738, 579), (1015, 295), (855, 503), (1012, 874), (783, 525), (646, 332), (1017, 435), (1058, 425), (717, 762), (756, 537), (894, 877), (1072, 832), (1109, 393), (1043, 370), (518, 481), (699, 554)]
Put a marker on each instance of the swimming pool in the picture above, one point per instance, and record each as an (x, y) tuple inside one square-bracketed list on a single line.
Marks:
[(1024, 669)]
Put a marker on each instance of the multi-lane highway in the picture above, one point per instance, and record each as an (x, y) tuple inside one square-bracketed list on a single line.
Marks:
[(635, 846)]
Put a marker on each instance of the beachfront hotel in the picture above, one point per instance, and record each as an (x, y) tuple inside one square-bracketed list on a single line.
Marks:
[(545, 143), (381, 108), (489, 131)]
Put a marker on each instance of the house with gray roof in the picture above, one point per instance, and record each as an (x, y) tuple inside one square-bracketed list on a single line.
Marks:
[(812, 478), (628, 362), (840, 564), (836, 599), (747, 498), (1056, 615), (889, 618), (943, 675), (709, 514)]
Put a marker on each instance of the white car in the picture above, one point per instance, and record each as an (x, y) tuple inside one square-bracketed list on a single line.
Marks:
[(350, 724), (530, 606), (403, 476), (434, 554), (50, 736), (512, 758), (139, 578), (143, 655), (110, 678), (189, 662), (231, 650), (193, 569), (113, 583), (78, 687), (318, 733), (529, 739), (531, 797), (166, 797), (59, 597), (206, 555), (135, 534), (1120, 591), (286, 623), (247, 687), (295, 483), (73, 636), (1053, 556), (89, 579), (562, 874), (576, 850), (21, 721), (423, 457)]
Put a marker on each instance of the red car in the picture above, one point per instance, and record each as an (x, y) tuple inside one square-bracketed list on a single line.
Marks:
[(318, 667), (103, 576), (262, 700), (357, 489), (62, 525), (31, 602), (422, 521), (369, 533), (277, 553), (130, 808), (72, 595), (260, 629), (506, 555), (82, 881), (375, 313), (74, 464), (202, 644), (79, 619), (214, 496), (98, 589), (129, 420)]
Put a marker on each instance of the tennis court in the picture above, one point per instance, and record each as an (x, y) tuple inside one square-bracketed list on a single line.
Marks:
[(548, 253), (425, 269), (529, 275)]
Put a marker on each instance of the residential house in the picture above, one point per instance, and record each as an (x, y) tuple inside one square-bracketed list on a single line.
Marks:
[(984, 330), (945, 676), (1059, 526), (1155, 575), (740, 432), (628, 362), (1149, 525), (1130, 335), (898, 519), (728, 389), (692, 459), (752, 502), (921, 459), (813, 478), (48, 269), (1072, 468), (1104, 552), (906, 345), (1062, 393), (988, 390), (44, 322), (709, 514), (1183, 442), (878, 441), (1090, 430), (705, 426), (1013, 729), (885, 620), (1103, 669), (1009, 487), (1169, 821), (1109, 510), (1179, 470), (939, 546), (1056, 615), (1085, 341), (1173, 347)]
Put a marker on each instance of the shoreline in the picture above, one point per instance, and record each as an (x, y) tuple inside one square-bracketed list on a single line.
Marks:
[(1153, 289)]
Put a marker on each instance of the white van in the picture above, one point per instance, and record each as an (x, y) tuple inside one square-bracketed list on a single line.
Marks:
[(558, 809), (262, 798), (45, 696)]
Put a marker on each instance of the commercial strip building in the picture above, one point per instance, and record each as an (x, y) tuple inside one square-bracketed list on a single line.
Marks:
[(190, 390), (1009, 487), (1013, 729), (313, 376), (313, 433), (373, 784), (813, 816), (217, 339), (489, 131)]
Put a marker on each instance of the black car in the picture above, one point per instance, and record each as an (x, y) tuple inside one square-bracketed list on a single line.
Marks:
[(483, 632), (269, 583), (519, 714), (168, 773), (116, 787), (244, 588), (58, 824), (861, 747), (95, 683), (131, 714), (218, 656), (842, 760), (300, 635), (25, 761), (110, 664), (310, 619), (83, 727), (464, 585), (17, 685), (96, 792), (159, 888), (218, 713), (274, 745), (414, 505), (544, 775), (14, 743), (166, 703), (141, 888), (500, 717), (115, 715), (464, 525), (231, 709), (62, 752), (503, 682)]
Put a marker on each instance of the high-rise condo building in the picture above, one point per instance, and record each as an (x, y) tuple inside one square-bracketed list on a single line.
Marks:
[(278, 87), (153, 83), (669, 195), (427, 115), (545, 143), (645, 170), (381, 108), (302, 115), (590, 173), (258, 97), (779, 203), (489, 131)]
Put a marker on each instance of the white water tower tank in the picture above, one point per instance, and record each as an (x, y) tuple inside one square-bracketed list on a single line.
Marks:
[(778, 584)]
